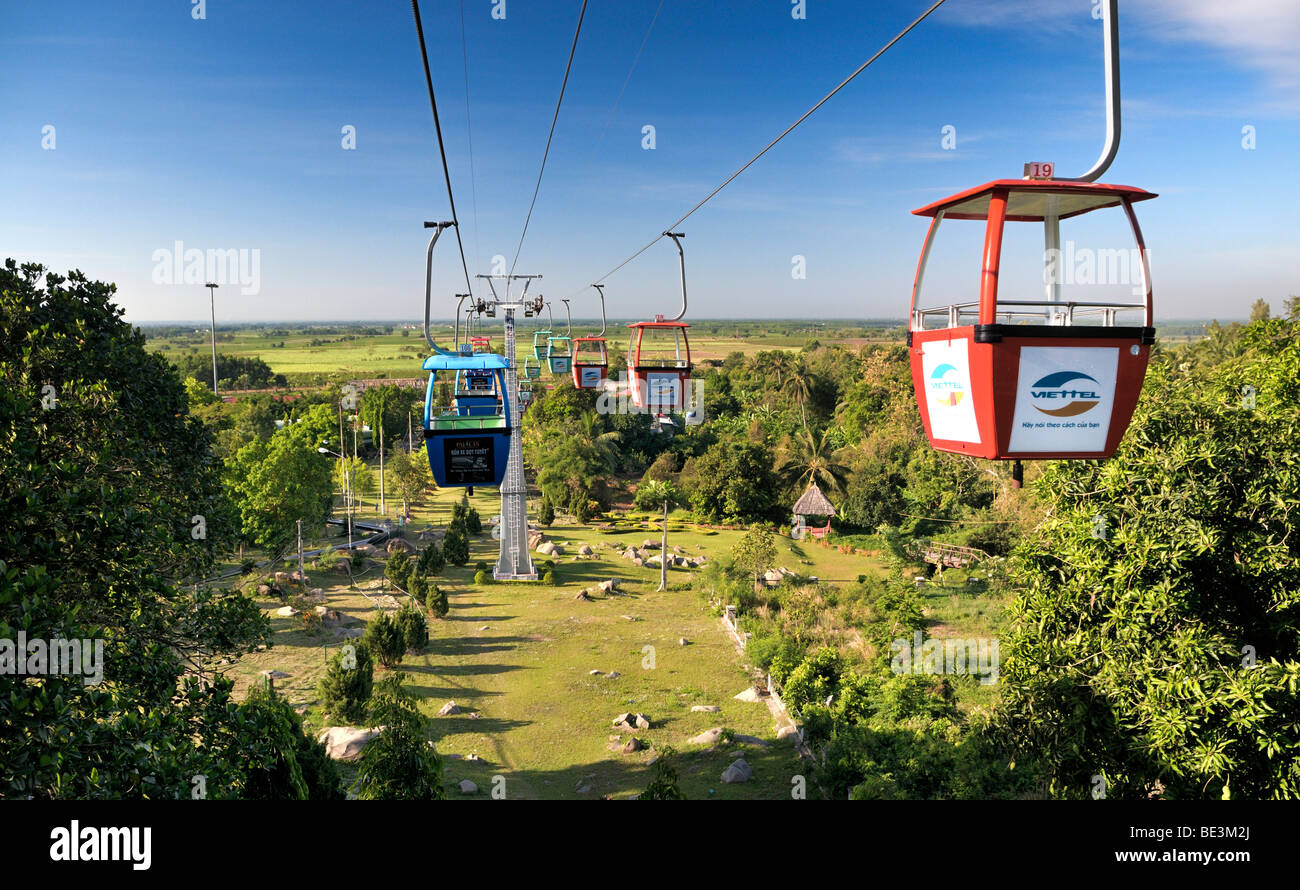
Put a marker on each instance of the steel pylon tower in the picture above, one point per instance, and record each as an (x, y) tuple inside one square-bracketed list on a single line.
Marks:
[(514, 562)]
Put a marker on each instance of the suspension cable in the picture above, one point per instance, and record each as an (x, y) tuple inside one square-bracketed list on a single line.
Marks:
[(442, 151), (469, 132), (863, 67), (563, 84)]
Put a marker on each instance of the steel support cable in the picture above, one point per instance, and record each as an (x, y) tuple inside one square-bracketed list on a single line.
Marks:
[(546, 153), (610, 119), (469, 132), (442, 151), (863, 67)]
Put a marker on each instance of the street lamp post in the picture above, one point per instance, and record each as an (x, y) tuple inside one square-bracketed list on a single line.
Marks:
[(212, 301), (347, 501)]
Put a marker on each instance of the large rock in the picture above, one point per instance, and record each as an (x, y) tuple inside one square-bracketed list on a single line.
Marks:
[(609, 586), (585, 550), (468, 787), (772, 576), (638, 562), (340, 567), (550, 548), (649, 544), (706, 709), (632, 746), (286, 611), (400, 545), (751, 695), (346, 742), (739, 771), (631, 721), (708, 737), (282, 578), (449, 708)]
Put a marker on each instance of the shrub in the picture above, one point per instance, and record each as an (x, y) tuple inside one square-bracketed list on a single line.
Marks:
[(399, 764), (307, 615), (431, 560), (549, 579), (473, 524), (481, 577), (399, 568), (436, 602), (385, 640), (546, 515), (414, 629), (345, 689), (456, 545)]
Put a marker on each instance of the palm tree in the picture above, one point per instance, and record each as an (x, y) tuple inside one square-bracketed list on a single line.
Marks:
[(800, 385), (780, 362), (665, 493), (804, 459)]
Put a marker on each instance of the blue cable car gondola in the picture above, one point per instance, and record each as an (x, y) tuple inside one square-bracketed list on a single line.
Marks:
[(470, 444)]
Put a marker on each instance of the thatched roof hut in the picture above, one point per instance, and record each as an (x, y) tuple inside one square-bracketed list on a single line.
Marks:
[(813, 503)]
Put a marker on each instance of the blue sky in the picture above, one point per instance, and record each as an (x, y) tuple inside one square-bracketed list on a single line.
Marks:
[(225, 133)]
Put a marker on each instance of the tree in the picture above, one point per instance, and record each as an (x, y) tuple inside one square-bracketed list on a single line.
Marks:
[(275, 484), (664, 494), (1259, 310), (801, 383), (411, 624), (400, 764), (436, 602), (385, 639), (546, 516), (345, 688), (805, 459), (733, 481), (1154, 633), (755, 552), (455, 545), (431, 561), (112, 505), (284, 763), (410, 476), (399, 569)]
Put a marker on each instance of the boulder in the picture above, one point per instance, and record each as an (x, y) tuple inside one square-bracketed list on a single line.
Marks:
[(772, 576), (449, 708), (340, 567), (286, 611), (550, 548), (751, 695), (595, 672), (708, 737), (366, 549), (281, 577), (274, 675), (330, 616), (468, 787), (400, 545), (298, 576), (631, 721), (346, 742), (678, 549), (614, 675), (638, 562), (749, 740), (682, 641), (739, 771), (632, 746), (706, 709), (608, 586), (786, 732), (649, 544), (582, 595), (585, 550)]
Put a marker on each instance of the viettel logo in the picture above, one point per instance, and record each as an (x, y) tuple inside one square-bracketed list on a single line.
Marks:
[(945, 385), (1055, 395)]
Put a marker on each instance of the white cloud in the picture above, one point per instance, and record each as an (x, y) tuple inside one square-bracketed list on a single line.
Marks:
[(1262, 35)]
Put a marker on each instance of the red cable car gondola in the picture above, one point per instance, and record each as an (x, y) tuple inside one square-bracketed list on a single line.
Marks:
[(991, 388), (590, 354), (659, 355), (988, 384)]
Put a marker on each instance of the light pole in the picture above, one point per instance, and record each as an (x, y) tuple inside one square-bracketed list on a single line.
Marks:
[(212, 301), (347, 501)]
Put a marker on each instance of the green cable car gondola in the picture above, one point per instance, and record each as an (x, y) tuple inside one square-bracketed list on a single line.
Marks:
[(559, 354)]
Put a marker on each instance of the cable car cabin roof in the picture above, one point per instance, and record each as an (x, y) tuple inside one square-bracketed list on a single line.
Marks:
[(1027, 199), (658, 324), (479, 361)]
